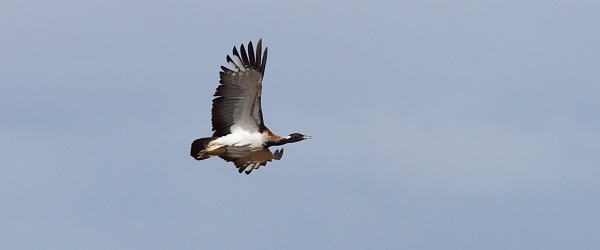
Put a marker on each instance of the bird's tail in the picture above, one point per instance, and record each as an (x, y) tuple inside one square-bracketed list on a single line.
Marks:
[(198, 147)]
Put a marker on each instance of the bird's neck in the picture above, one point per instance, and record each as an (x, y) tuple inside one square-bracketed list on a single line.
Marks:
[(279, 141)]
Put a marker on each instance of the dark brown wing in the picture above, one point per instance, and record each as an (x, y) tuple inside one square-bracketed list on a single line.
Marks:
[(237, 102), (254, 159)]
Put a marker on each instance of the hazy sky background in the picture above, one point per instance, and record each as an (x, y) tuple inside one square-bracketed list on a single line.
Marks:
[(435, 125)]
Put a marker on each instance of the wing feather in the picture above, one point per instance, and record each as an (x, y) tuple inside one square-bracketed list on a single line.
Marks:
[(253, 160), (245, 60), (251, 52), (237, 102), (264, 61)]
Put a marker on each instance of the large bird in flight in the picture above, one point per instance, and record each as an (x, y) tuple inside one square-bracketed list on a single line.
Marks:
[(240, 134)]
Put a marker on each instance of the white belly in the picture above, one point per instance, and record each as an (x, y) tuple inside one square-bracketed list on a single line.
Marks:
[(240, 142)]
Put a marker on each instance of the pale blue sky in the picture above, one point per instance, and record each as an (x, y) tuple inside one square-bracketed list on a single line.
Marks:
[(435, 125)]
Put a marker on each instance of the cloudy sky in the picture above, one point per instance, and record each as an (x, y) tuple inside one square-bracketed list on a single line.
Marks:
[(435, 125)]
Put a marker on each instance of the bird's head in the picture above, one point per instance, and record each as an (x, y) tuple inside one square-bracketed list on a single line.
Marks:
[(297, 137)]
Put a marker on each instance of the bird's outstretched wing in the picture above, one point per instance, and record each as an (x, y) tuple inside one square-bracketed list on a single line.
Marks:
[(237, 102), (254, 159)]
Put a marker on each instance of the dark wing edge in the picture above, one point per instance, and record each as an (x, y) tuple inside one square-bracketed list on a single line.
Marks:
[(238, 83), (254, 159)]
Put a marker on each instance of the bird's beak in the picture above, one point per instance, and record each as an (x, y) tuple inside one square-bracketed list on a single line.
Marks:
[(306, 137)]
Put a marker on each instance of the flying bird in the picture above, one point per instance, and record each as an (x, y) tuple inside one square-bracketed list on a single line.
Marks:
[(240, 135)]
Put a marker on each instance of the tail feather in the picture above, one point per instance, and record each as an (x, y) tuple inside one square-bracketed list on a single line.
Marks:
[(199, 145)]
